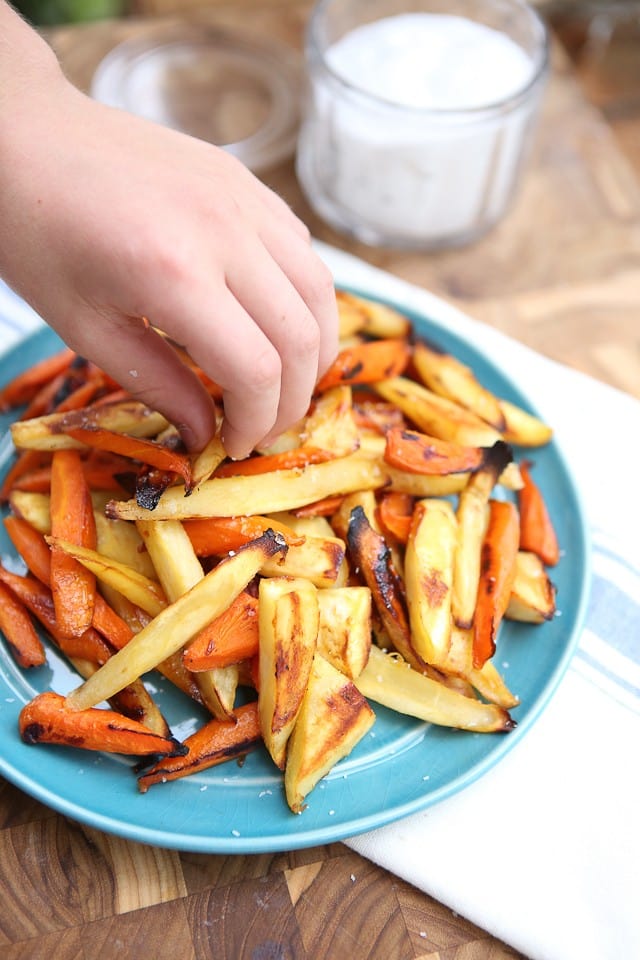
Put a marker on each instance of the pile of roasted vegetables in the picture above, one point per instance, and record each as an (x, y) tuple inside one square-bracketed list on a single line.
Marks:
[(369, 556)]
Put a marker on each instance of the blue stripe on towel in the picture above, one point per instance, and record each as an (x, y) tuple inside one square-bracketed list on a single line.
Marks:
[(609, 652), (614, 617)]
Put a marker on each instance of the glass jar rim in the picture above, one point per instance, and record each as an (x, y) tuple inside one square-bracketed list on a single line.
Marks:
[(315, 53)]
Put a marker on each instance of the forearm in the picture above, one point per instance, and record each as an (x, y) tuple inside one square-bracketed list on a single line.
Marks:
[(27, 65)]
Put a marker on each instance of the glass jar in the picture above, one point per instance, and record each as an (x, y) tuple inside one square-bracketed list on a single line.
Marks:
[(418, 115)]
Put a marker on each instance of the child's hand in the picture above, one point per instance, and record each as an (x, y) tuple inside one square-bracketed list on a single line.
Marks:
[(106, 219)]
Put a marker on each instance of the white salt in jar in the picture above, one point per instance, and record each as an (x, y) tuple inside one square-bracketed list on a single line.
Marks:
[(418, 115)]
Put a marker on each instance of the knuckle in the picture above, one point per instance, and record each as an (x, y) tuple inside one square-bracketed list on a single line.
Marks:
[(305, 344), (321, 284), (265, 370)]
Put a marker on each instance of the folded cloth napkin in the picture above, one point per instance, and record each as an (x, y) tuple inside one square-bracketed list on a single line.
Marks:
[(544, 850)]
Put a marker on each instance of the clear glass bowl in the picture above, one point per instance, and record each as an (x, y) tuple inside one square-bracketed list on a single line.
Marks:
[(238, 93)]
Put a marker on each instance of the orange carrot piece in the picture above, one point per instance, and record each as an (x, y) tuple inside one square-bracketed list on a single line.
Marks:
[(367, 363), (72, 585), (230, 638), (38, 598), (146, 451), (419, 453), (497, 573), (376, 415), (395, 511), (31, 546), (107, 622), (216, 536), (25, 462), (289, 460), (35, 552), (19, 632), (82, 395), (320, 508), (214, 743), (537, 533), (23, 387), (47, 719), (100, 475)]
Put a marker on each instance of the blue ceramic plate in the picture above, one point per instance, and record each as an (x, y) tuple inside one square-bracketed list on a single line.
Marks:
[(400, 767)]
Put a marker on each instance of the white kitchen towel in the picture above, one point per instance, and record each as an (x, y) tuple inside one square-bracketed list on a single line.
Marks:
[(544, 850)]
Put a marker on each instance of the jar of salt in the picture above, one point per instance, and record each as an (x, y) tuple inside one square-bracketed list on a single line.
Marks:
[(419, 114)]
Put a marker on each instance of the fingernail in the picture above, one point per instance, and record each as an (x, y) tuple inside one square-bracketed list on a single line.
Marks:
[(188, 437)]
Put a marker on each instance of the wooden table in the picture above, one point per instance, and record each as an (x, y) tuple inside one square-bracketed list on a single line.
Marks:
[(562, 274)]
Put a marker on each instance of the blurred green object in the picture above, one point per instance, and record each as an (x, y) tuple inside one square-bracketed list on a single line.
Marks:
[(48, 12)]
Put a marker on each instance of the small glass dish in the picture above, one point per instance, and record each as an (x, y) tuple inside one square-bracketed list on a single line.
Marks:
[(238, 93)]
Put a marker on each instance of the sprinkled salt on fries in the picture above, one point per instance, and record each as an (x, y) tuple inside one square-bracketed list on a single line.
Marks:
[(368, 557)]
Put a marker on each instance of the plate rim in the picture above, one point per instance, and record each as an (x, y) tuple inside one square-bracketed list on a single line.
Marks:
[(317, 835)]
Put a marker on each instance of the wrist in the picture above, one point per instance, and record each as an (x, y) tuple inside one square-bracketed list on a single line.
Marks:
[(29, 76)]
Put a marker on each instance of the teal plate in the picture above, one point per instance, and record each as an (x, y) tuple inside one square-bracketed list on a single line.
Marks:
[(401, 766)]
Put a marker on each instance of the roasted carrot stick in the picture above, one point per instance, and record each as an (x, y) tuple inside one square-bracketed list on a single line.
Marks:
[(395, 511), (31, 546), (46, 719), (37, 598), (214, 743), (35, 552), (320, 508), (289, 460), (19, 632), (25, 463), (216, 536), (82, 395), (367, 363), (146, 451), (537, 533), (72, 585), (22, 388), (419, 453), (230, 638), (99, 476), (497, 573)]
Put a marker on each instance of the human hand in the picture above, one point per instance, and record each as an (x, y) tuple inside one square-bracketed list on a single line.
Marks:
[(106, 219)]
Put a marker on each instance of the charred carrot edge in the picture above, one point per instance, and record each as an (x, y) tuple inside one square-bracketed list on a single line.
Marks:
[(46, 719), (320, 508), (22, 387), (43, 400), (215, 536), (82, 395), (38, 598), (419, 453), (19, 632), (537, 533), (376, 415), (367, 363), (497, 571), (72, 585), (214, 743), (395, 511), (145, 451), (289, 460), (371, 555), (230, 638)]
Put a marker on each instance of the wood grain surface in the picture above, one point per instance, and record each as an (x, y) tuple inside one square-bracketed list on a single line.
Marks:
[(562, 274)]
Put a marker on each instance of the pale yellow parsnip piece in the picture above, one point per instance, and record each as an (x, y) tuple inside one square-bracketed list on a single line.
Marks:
[(177, 623)]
